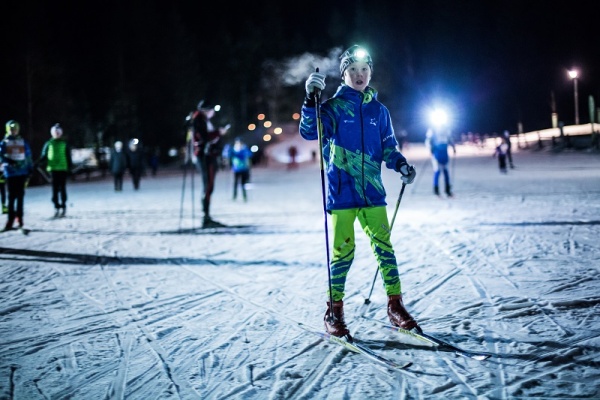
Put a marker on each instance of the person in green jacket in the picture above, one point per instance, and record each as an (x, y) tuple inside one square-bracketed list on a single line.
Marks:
[(56, 155)]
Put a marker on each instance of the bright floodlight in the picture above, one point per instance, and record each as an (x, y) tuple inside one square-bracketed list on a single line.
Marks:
[(438, 117), (573, 74)]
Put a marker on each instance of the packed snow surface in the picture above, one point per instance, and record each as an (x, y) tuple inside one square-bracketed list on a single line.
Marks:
[(127, 297)]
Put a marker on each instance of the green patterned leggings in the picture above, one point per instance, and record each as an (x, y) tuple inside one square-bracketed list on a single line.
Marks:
[(374, 222)]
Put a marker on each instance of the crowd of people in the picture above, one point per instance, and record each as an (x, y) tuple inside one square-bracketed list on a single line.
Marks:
[(17, 165)]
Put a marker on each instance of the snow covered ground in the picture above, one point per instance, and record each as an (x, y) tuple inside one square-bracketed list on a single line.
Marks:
[(127, 297)]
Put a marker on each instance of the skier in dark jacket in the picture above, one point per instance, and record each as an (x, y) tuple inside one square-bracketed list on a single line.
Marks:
[(207, 148), (358, 138), (136, 162), (118, 165), (17, 165), (56, 155), (506, 139)]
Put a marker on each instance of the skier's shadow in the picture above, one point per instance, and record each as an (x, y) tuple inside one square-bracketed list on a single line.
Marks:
[(215, 230)]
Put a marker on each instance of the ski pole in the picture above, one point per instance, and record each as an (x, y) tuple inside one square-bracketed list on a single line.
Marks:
[(368, 299), (182, 195), (453, 166), (423, 168), (317, 94)]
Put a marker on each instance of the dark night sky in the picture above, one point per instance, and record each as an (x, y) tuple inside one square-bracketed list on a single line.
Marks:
[(138, 67)]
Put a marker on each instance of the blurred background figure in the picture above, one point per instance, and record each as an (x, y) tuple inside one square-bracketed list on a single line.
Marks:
[(153, 160), (293, 153), (506, 137), (240, 158), (135, 162), (502, 151), (118, 165), (56, 157), (437, 141)]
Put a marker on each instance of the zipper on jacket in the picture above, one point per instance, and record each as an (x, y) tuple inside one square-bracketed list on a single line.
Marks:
[(362, 138)]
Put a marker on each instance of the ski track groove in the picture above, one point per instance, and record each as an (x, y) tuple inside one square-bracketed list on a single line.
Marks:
[(479, 287), (117, 388), (182, 386), (314, 375), (270, 312), (542, 310), (341, 352)]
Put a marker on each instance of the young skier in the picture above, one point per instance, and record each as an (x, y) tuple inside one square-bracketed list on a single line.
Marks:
[(358, 138)]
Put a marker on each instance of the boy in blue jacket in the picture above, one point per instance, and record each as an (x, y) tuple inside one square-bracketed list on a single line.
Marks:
[(358, 138), (17, 165)]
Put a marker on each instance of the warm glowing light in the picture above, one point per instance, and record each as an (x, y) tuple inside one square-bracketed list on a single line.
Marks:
[(261, 117), (267, 138), (251, 127), (277, 131), (296, 116), (267, 124)]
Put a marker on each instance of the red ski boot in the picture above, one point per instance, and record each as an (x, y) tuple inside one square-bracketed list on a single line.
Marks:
[(399, 316), (336, 326)]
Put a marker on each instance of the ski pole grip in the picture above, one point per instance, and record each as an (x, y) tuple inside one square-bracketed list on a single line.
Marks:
[(317, 91)]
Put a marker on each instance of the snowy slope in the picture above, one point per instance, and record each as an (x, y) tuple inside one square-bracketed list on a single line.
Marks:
[(127, 298)]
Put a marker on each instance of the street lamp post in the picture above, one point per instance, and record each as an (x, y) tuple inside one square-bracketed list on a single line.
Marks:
[(573, 74)]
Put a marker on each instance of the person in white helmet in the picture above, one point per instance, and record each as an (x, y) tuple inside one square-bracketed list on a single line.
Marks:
[(56, 156)]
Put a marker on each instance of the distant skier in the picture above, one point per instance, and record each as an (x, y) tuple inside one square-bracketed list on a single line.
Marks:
[(437, 141), (357, 138), (136, 162), (240, 159), (207, 147), (118, 165), (501, 152), (56, 156), (506, 137), (17, 165)]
